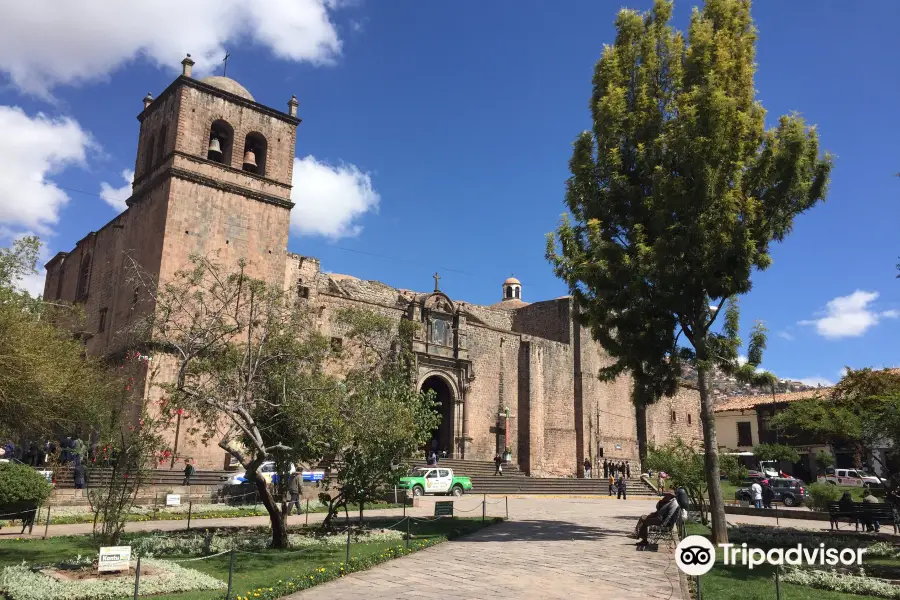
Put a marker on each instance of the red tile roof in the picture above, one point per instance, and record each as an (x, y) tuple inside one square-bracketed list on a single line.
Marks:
[(750, 402)]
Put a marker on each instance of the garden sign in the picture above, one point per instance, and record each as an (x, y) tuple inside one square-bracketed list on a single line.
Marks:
[(114, 558)]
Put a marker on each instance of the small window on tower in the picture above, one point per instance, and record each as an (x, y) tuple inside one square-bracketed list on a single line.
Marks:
[(161, 145), (689, 418), (518, 291), (674, 417), (148, 154), (509, 293), (84, 278)]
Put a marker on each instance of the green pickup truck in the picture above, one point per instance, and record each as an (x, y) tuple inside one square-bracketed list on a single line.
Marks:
[(434, 480)]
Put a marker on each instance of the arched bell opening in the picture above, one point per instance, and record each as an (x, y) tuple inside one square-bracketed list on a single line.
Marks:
[(255, 147), (221, 142)]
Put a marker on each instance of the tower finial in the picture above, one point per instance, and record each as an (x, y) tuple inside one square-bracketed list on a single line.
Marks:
[(186, 65), (437, 279), (292, 106)]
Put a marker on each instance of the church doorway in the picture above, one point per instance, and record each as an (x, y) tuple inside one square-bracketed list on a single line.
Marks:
[(441, 437)]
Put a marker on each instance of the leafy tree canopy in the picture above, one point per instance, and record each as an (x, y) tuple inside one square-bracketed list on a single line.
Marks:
[(677, 193)]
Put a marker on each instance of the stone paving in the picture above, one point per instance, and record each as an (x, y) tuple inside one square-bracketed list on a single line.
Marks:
[(550, 548)]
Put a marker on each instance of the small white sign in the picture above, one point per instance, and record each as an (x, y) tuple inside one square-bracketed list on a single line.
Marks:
[(173, 499), (114, 558)]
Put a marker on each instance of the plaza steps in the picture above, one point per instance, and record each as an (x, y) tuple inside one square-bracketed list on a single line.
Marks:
[(513, 481), (157, 477)]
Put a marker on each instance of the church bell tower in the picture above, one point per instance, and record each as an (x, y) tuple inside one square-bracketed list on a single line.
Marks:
[(213, 173)]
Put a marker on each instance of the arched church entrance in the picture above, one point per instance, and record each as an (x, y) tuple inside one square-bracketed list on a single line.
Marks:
[(441, 437)]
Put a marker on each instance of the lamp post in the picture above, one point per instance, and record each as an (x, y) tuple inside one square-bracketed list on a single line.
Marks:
[(507, 415)]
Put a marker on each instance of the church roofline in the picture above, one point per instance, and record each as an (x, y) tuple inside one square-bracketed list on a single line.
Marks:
[(181, 80)]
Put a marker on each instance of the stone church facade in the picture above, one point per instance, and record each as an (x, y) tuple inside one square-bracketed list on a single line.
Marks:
[(213, 173)]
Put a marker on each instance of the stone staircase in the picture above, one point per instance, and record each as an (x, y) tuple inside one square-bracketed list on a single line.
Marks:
[(513, 481), (62, 477)]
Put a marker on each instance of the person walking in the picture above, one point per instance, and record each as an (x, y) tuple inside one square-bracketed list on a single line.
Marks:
[(294, 491), (587, 468), (79, 476), (756, 494), (627, 470), (768, 494), (605, 469), (622, 487), (498, 464), (612, 484), (188, 472)]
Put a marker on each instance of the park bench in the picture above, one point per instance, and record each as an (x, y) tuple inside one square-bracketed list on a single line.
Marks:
[(665, 531), (20, 511), (860, 512)]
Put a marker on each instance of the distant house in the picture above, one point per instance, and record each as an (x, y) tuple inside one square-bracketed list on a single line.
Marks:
[(742, 422)]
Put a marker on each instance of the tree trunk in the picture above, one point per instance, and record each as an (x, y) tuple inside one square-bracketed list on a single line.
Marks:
[(279, 524), (360, 514), (711, 452), (640, 411)]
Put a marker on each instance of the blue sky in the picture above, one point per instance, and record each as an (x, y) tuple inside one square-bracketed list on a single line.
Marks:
[(436, 136)]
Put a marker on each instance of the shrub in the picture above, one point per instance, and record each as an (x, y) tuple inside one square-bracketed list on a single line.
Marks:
[(21, 483), (820, 494)]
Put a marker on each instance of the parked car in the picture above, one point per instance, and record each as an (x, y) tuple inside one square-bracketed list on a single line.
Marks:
[(434, 480), (788, 491), (267, 470), (850, 477)]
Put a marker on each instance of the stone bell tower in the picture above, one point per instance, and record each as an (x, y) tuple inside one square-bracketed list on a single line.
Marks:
[(217, 165)]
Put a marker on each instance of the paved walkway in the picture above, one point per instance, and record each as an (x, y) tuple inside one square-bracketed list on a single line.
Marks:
[(603, 504), (550, 548)]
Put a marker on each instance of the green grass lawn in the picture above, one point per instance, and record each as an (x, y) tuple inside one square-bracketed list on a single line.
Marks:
[(741, 583), (254, 571)]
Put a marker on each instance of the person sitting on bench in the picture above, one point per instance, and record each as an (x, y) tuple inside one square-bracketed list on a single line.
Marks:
[(665, 509)]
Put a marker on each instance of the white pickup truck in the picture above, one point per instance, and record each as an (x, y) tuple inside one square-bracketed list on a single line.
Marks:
[(850, 477)]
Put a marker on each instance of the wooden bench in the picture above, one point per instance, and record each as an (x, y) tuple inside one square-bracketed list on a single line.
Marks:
[(21, 511), (863, 512)]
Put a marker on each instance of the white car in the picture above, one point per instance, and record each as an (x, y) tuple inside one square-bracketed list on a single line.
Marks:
[(267, 470), (850, 477)]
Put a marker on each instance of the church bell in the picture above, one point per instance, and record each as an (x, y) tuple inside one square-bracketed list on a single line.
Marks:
[(215, 148), (250, 160)]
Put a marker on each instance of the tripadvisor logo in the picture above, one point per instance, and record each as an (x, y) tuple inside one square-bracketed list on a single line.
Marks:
[(696, 555)]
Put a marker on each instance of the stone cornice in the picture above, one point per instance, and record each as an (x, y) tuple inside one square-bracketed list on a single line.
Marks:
[(209, 89), (209, 182)]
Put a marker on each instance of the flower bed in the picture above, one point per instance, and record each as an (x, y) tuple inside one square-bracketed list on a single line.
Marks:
[(768, 537), (204, 543), (841, 582), (20, 582), (67, 515)]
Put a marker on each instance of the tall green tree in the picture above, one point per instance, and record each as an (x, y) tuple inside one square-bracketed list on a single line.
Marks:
[(47, 385), (678, 190)]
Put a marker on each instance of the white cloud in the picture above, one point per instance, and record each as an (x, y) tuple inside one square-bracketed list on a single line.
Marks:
[(329, 199), (44, 43), (815, 381), (742, 359), (34, 148), (116, 196), (849, 316), (786, 335)]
